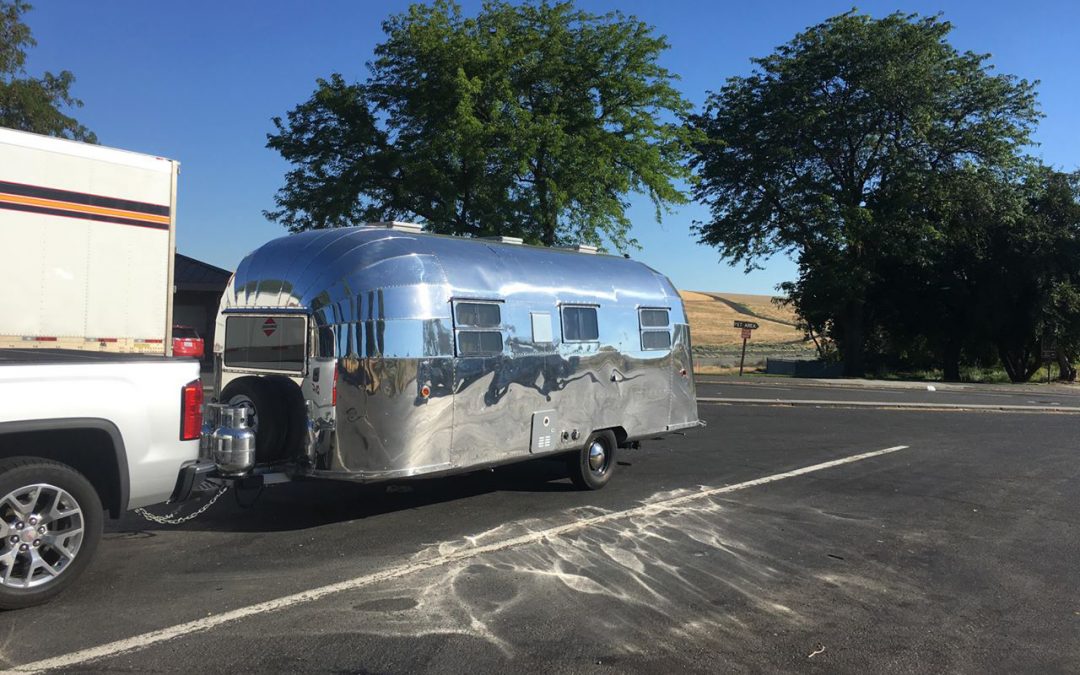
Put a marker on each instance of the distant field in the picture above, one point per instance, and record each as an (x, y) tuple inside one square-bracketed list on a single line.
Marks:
[(712, 315)]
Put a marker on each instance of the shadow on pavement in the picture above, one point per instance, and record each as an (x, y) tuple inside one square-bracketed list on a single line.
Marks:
[(305, 504)]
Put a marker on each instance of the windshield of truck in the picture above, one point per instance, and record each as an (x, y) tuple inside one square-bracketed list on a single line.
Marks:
[(266, 342)]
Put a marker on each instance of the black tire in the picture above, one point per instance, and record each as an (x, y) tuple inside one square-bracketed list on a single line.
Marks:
[(292, 401), (18, 475), (592, 475), (266, 417)]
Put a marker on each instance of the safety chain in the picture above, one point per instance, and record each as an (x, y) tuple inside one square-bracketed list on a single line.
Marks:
[(171, 519)]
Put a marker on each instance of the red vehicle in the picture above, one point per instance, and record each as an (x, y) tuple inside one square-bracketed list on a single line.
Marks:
[(186, 342)]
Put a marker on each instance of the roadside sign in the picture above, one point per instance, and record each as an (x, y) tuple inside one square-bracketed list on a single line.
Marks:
[(1049, 355), (747, 328)]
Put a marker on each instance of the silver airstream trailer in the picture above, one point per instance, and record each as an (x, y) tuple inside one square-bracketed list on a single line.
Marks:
[(380, 352)]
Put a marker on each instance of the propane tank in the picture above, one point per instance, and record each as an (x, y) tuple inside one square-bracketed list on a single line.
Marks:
[(233, 443)]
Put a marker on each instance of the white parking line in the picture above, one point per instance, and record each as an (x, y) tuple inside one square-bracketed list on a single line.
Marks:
[(145, 640)]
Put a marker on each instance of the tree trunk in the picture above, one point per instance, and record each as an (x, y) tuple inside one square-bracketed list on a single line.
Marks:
[(548, 216), (951, 365), (854, 356), (1067, 372), (1019, 365)]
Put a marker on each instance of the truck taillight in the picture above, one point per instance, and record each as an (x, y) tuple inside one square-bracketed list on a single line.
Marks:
[(191, 402), (333, 393)]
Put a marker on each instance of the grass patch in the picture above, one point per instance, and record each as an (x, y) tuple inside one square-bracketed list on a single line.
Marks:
[(968, 374)]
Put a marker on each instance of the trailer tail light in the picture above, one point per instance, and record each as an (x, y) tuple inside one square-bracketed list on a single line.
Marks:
[(333, 393), (191, 403)]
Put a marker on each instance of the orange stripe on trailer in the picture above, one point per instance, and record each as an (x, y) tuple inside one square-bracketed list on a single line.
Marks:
[(83, 208)]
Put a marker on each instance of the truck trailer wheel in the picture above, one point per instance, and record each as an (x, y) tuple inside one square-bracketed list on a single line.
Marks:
[(592, 466), (265, 414), (50, 525)]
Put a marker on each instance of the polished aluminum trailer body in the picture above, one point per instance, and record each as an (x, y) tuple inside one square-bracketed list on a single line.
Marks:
[(420, 391)]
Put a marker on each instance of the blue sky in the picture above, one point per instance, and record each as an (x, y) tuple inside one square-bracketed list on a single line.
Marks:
[(198, 81)]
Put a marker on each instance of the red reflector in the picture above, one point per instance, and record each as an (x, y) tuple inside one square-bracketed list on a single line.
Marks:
[(191, 402), (333, 394), (42, 338)]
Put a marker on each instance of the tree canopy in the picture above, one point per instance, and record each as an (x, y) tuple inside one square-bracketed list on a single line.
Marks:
[(833, 147), (27, 103), (534, 120)]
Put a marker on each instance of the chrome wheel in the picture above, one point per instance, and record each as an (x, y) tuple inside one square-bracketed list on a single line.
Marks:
[(591, 467), (41, 532), (597, 458)]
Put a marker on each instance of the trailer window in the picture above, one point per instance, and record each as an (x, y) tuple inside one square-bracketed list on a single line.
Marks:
[(652, 318), (469, 318), (655, 339), (478, 314), (266, 343), (579, 324), (479, 342), (655, 326)]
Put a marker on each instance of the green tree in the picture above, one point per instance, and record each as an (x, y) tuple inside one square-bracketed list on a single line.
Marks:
[(931, 296), (824, 149), (535, 120), (994, 278), (1030, 279), (29, 103)]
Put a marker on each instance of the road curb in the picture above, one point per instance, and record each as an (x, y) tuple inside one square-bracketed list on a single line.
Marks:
[(855, 384), (985, 407)]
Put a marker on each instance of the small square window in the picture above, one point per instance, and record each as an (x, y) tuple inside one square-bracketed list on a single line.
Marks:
[(579, 324), (541, 328), (477, 314), (655, 339), (479, 342), (654, 318)]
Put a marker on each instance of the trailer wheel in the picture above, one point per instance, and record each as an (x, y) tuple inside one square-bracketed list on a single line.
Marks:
[(50, 525), (592, 466), (265, 414)]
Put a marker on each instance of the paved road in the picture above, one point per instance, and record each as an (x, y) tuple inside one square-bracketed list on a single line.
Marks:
[(890, 393), (956, 553)]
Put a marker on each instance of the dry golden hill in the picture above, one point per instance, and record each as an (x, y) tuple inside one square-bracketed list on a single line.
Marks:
[(712, 316)]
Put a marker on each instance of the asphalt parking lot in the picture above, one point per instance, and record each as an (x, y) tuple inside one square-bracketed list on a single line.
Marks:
[(780, 538)]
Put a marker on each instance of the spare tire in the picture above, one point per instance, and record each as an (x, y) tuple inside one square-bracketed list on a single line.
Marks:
[(296, 417), (266, 415)]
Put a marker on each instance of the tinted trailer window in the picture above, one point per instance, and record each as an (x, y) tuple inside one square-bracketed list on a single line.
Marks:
[(266, 343)]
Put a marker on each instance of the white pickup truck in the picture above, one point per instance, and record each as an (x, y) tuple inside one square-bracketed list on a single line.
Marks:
[(82, 433)]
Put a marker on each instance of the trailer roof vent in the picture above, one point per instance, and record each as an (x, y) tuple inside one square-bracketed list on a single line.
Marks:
[(583, 248), (506, 240), (414, 228)]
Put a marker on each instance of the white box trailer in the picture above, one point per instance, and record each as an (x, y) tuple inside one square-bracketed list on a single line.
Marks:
[(87, 237)]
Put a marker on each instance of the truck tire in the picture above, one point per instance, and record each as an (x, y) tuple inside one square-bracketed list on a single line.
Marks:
[(266, 414), (51, 520), (592, 466)]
